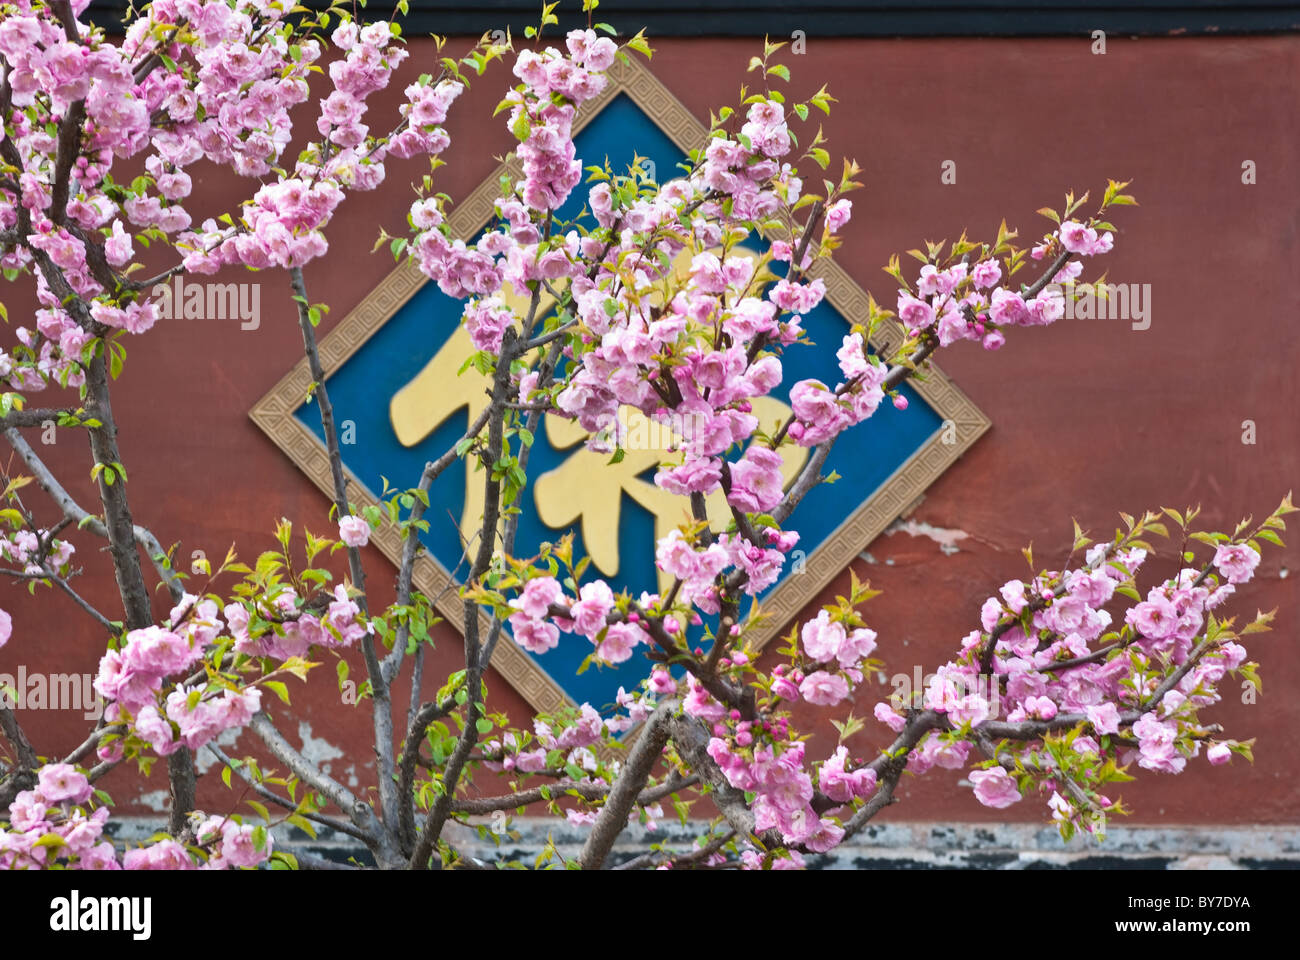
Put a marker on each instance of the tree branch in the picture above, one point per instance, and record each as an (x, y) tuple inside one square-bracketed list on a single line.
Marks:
[(441, 808), (358, 811), (612, 819), (241, 770), (79, 515)]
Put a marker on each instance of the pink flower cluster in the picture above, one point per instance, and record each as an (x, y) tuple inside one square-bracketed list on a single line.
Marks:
[(783, 788), (233, 844), (23, 549), (223, 93), (487, 320), (1083, 240), (822, 412), (544, 105), (56, 809), (551, 169), (193, 723), (537, 630), (837, 655), (292, 631), (698, 568), (52, 809), (748, 169), (133, 676), (1067, 618)]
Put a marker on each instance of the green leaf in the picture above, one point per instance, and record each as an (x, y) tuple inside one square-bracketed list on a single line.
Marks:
[(521, 127)]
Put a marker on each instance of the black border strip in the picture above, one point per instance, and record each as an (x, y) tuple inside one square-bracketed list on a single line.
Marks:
[(841, 18)]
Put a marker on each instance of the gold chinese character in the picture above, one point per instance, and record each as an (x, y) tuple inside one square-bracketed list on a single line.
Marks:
[(586, 487)]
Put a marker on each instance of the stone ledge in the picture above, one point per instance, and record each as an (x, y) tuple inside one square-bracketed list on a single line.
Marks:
[(894, 846)]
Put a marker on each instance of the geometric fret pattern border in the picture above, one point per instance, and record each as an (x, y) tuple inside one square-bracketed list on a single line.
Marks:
[(274, 412)]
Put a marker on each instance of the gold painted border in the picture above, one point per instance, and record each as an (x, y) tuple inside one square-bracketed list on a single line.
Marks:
[(273, 413)]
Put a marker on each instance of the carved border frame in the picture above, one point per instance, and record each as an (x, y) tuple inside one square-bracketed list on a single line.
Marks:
[(274, 412)]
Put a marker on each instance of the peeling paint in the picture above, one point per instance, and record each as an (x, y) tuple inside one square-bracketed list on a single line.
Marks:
[(205, 760), (945, 538), (317, 749), (155, 800)]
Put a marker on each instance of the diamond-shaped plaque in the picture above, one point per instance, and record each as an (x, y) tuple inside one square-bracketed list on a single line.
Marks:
[(391, 367)]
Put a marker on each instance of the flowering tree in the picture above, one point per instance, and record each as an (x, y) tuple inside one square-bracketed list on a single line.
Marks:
[(1092, 671)]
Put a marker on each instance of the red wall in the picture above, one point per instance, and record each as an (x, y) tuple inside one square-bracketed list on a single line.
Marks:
[(1089, 417)]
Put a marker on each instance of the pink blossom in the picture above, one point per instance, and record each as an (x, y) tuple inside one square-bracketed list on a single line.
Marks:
[(995, 788), (239, 845), (756, 482), (164, 855), (1008, 308), (1236, 561), (1040, 708), (699, 703), (620, 640), (837, 215), (824, 689), (536, 636), (986, 274), (1013, 592), (913, 313), (1104, 717), (662, 682), (354, 531), (857, 646), (971, 708), (1154, 618), (785, 688), (595, 601), (537, 596), (59, 782), (890, 717), (822, 638), (1077, 238)]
